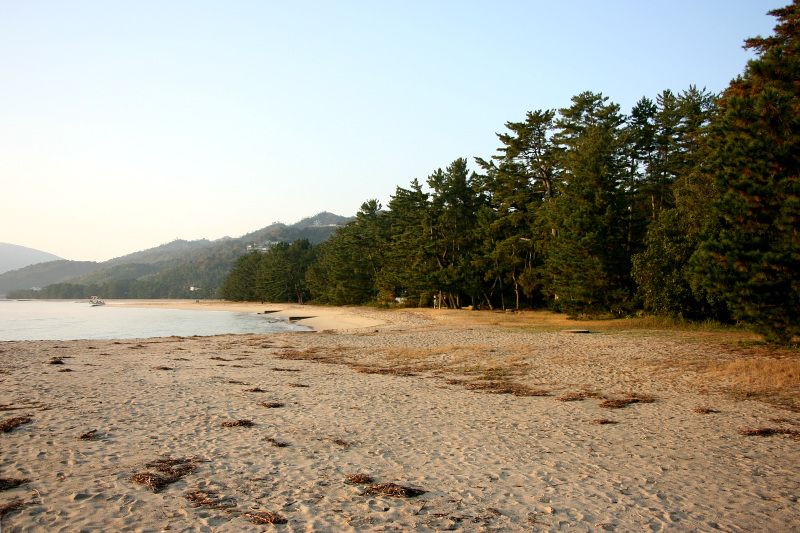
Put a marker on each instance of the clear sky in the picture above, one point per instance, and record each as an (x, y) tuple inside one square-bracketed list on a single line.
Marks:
[(125, 125)]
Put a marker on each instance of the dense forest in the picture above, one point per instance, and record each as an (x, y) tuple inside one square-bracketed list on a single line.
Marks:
[(685, 206)]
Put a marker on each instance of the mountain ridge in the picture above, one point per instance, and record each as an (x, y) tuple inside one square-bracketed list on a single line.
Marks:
[(15, 256), (166, 270)]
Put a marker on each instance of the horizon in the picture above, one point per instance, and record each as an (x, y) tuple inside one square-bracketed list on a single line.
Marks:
[(134, 125)]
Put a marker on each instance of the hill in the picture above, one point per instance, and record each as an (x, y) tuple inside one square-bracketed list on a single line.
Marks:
[(173, 270), (13, 257), (43, 274)]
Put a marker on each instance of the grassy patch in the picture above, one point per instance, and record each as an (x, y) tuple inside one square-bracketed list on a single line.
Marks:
[(775, 378)]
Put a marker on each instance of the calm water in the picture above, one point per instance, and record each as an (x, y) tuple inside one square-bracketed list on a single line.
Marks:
[(38, 320)]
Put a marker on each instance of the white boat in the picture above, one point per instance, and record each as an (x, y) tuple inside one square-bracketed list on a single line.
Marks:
[(96, 301)]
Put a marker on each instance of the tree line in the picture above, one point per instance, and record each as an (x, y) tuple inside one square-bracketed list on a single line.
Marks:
[(685, 206)]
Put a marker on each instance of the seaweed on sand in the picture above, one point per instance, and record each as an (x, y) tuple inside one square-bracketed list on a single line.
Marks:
[(704, 410), (768, 432), (9, 507), (603, 421), (506, 387), (10, 424), (277, 443), (92, 434), (395, 490), (265, 517), (169, 471), (358, 479), (7, 483), (242, 422), (618, 403), (210, 499)]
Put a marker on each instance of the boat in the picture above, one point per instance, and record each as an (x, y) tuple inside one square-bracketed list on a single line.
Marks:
[(96, 301)]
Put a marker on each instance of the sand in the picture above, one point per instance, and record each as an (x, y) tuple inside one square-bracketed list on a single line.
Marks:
[(318, 317), (405, 398)]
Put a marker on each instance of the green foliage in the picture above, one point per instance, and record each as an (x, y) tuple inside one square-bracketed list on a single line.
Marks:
[(450, 224), (408, 266), (661, 269), (680, 219), (751, 259), (240, 285), (281, 274), (348, 264), (588, 261), (516, 184)]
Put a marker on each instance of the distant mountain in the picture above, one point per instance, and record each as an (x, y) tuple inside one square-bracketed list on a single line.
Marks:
[(164, 252), (316, 229), (13, 256), (173, 270), (43, 274)]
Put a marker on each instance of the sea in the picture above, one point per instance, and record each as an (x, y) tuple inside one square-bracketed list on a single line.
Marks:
[(23, 320)]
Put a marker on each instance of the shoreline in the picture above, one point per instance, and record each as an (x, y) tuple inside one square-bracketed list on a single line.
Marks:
[(318, 318)]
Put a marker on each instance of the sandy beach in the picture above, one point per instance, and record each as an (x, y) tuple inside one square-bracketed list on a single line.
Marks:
[(393, 421)]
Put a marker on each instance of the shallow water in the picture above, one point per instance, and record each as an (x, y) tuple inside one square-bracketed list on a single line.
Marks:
[(70, 320)]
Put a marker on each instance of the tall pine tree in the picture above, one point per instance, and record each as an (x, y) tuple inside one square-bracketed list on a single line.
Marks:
[(752, 260), (588, 259)]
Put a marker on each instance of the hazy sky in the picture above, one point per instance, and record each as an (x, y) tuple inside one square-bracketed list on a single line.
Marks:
[(125, 125)]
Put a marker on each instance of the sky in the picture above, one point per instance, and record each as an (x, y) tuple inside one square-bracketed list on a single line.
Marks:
[(126, 125)]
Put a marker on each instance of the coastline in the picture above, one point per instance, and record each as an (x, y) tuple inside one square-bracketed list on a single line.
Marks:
[(317, 317), (505, 429)]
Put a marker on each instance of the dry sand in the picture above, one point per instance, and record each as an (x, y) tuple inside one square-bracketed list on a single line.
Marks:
[(405, 397)]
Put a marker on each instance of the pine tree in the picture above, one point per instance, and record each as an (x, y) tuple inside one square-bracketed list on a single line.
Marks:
[(348, 264), (408, 267), (675, 194), (752, 261), (240, 285), (451, 225), (588, 259), (516, 183), (282, 270)]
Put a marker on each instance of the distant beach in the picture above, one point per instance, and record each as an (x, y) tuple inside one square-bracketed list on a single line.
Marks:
[(403, 420)]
